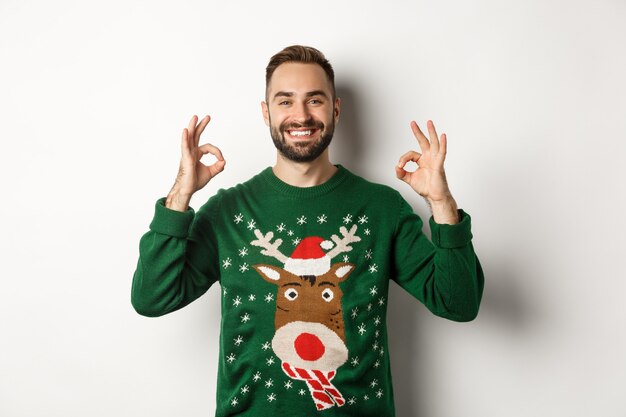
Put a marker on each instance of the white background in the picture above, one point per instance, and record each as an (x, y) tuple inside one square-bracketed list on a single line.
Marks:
[(532, 95)]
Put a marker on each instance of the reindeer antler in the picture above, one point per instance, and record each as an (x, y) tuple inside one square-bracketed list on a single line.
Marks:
[(342, 244), (270, 249)]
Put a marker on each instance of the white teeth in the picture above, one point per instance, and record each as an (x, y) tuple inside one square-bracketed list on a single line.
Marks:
[(300, 132)]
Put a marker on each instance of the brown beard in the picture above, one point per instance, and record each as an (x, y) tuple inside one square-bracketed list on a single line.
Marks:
[(302, 151)]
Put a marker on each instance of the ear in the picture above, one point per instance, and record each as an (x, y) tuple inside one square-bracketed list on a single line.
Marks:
[(270, 273), (341, 271), (266, 113), (336, 109)]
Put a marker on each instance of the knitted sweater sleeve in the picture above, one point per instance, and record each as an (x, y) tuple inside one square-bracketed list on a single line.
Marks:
[(177, 261), (445, 274)]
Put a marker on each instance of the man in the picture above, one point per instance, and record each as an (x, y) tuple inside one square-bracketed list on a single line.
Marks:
[(304, 252)]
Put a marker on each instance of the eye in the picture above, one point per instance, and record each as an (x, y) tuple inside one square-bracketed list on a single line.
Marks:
[(315, 101), (291, 294), (328, 294), (283, 103)]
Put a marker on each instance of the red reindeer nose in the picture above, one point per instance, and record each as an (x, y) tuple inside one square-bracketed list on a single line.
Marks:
[(309, 347)]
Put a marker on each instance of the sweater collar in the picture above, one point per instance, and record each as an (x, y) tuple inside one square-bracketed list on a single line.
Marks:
[(305, 192)]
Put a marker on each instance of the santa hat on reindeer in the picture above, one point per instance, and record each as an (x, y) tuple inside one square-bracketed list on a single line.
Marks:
[(309, 258)]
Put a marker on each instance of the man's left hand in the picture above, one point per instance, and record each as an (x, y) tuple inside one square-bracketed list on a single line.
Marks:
[(429, 179)]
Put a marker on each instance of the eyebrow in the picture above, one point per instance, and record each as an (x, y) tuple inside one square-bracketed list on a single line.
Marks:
[(309, 94), (292, 284)]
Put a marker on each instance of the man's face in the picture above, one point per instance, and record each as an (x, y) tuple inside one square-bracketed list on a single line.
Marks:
[(300, 111)]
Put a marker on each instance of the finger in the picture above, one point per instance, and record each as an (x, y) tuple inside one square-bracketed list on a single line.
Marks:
[(192, 125), (184, 144), (421, 139), (217, 167), (213, 150), (213, 169), (434, 139), (401, 174), (200, 128), (443, 150), (409, 156)]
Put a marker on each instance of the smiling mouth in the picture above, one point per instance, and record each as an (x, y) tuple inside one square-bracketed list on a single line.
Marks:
[(302, 133)]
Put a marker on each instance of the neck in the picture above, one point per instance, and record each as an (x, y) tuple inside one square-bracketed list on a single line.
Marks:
[(304, 174)]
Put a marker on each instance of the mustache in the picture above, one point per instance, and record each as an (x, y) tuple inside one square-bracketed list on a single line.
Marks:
[(309, 124)]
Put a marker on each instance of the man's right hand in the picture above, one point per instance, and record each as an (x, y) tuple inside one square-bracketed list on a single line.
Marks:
[(193, 174)]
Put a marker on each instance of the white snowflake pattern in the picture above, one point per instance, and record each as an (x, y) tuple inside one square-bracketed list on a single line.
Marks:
[(351, 400), (225, 291), (362, 329), (265, 346), (373, 290), (238, 218), (295, 241), (271, 397), (367, 232), (244, 267), (346, 258), (243, 252), (288, 384), (376, 364), (354, 361), (369, 306), (226, 263), (375, 346), (377, 333), (322, 219), (301, 392), (301, 220), (355, 312), (256, 377), (269, 297), (245, 389), (270, 361), (269, 383), (362, 219), (366, 397), (251, 224), (377, 320), (234, 401), (381, 301), (245, 318), (381, 352), (237, 301), (290, 232), (373, 268), (231, 358), (374, 383), (280, 228), (379, 393), (368, 254), (251, 297), (347, 219), (238, 340)]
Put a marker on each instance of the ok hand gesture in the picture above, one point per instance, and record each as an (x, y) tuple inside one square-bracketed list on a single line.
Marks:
[(429, 179), (193, 174)]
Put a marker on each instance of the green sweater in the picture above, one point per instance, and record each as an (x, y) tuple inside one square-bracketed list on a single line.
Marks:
[(304, 275)]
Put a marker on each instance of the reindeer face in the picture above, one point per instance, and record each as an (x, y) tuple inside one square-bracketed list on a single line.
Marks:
[(309, 317)]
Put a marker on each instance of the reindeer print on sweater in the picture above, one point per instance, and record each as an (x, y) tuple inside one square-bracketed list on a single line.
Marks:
[(325, 349), (309, 337)]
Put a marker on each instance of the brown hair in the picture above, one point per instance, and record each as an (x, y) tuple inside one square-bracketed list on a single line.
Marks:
[(302, 54)]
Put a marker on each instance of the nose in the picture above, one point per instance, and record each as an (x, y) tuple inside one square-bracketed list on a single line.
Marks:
[(309, 347), (301, 112)]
